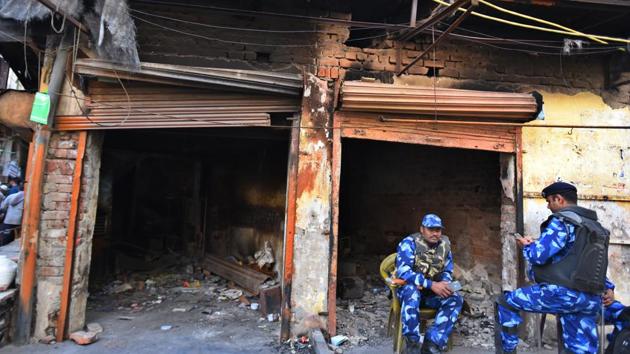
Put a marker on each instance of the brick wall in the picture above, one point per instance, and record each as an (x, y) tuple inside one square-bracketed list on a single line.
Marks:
[(289, 51), (57, 190), (461, 60), (328, 53)]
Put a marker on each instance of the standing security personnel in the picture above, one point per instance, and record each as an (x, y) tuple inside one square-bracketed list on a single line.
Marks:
[(425, 262), (568, 265)]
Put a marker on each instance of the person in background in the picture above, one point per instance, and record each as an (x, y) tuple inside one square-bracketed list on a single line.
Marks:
[(12, 207), (14, 185), (4, 191)]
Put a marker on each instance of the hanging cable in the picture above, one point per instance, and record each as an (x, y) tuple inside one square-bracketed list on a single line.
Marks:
[(242, 28), (544, 29), (518, 14), (222, 40)]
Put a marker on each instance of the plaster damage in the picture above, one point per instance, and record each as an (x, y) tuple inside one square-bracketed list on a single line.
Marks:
[(313, 211)]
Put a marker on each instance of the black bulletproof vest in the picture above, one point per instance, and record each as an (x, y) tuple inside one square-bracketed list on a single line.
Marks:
[(584, 266)]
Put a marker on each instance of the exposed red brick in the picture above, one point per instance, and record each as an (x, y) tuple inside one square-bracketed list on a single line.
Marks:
[(323, 71), (334, 73), (345, 63), (328, 61), (351, 55)]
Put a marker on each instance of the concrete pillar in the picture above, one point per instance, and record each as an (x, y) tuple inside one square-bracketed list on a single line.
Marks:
[(509, 249), (312, 247)]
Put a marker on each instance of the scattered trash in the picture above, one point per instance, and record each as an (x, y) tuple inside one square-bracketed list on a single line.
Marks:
[(351, 308), (244, 300), (207, 311), (166, 327), (122, 288), (179, 309), (272, 317), (48, 340), (230, 294), (254, 306), (94, 327), (338, 340), (264, 257)]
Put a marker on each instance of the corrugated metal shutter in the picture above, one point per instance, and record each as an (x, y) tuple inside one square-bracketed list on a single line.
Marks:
[(439, 102), (154, 106), (477, 137)]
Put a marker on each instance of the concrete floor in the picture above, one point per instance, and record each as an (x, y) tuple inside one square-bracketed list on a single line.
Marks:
[(208, 325)]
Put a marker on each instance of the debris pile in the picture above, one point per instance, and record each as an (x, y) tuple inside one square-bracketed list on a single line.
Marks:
[(364, 320), (475, 327)]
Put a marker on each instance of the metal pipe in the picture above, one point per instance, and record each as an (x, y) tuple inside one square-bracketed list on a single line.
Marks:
[(433, 20), (58, 75), (414, 13), (450, 29), (32, 203)]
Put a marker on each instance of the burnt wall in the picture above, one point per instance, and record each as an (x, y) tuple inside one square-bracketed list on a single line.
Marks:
[(386, 188), (164, 187)]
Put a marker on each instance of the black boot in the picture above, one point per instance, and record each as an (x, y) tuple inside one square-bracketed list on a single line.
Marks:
[(411, 347), (498, 342), (428, 347)]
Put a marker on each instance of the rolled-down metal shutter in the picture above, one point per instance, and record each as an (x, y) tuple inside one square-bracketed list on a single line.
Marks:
[(142, 106), (467, 119), (442, 103)]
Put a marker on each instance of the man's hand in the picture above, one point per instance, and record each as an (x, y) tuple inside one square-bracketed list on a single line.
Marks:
[(525, 241), (608, 297), (441, 289)]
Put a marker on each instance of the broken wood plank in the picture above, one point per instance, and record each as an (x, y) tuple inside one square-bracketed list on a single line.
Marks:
[(245, 277)]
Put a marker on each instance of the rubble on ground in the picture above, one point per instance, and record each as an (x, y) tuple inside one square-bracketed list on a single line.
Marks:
[(475, 327), (364, 320)]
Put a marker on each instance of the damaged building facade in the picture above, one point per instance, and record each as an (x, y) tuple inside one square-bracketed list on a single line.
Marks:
[(286, 126)]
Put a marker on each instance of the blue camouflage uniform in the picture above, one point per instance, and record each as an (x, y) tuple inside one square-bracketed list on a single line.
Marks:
[(577, 310), (412, 298), (612, 314)]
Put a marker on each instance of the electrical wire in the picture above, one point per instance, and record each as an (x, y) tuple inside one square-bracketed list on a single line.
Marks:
[(523, 41), (242, 28), (222, 40), (256, 44), (544, 29), (535, 19), (535, 52)]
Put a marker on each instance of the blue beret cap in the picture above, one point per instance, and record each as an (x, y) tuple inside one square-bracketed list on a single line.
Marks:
[(557, 188), (432, 220)]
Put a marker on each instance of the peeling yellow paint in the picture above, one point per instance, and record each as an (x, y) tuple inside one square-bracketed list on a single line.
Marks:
[(596, 160)]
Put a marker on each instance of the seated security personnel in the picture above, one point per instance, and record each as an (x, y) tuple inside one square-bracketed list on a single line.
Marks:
[(617, 314), (567, 283), (425, 262)]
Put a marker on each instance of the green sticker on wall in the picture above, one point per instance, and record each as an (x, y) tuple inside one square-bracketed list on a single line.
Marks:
[(41, 108)]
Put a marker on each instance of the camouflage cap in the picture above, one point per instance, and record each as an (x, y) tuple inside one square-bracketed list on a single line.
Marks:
[(432, 220)]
